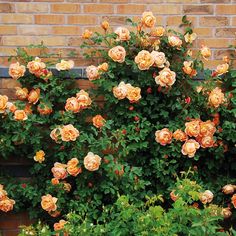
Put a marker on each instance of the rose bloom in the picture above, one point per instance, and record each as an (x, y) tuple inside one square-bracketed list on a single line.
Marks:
[(206, 197), (189, 38), (98, 121), (233, 200), (122, 33), (190, 147), (44, 109), (60, 225), (54, 181), (87, 34), (117, 54), (83, 99), (103, 67), (175, 41), (11, 107), (158, 31), (105, 25), (16, 70), (166, 77), (3, 193), (48, 203), (207, 128), (55, 134), (36, 66), (72, 104), (216, 97), (206, 141), (66, 186), (73, 162), (226, 213), (72, 167), (54, 214), (3, 103), (59, 170), (187, 68), (159, 59), (228, 189), (163, 136), (92, 162), (20, 115), (148, 19), (205, 52), (180, 135), (6, 204), (69, 133), (144, 59), (65, 65), (92, 72), (34, 95), (222, 69), (120, 91), (133, 93), (192, 128), (173, 196), (28, 109), (21, 93), (40, 156)]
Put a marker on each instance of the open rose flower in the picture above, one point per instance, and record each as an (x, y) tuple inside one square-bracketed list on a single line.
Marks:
[(59, 170), (175, 41), (36, 66), (34, 96), (159, 59), (87, 34), (92, 162), (20, 115), (92, 72), (188, 68), (190, 147), (103, 67), (117, 54), (158, 31), (166, 77), (233, 200), (207, 128), (98, 121), (206, 141), (3, 193), (226, 213), (180, 135), (11, 107), (216, 97), (6, 204), (21, 93), (120, 91), (192, 128), (39, 156), (206, 197), (148, 19), (122, 33), (229, 189), (55, 134), (163, 136), (222, 69), (69, 133), (44, 109), (72, 167), (55, 181), (16, 70), (65, 65), (60, 225), (205, 52), (133, 94), (48, 203), (144, 60), (189, 38), (3, 103), (83, 99), (72, 104)]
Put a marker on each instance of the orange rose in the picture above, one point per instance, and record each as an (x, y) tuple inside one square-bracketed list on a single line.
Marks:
[(233, 200), (175, 41), (144, 59), (206, 141), (34, 95), (72, 167), (98, 121), (117, 54), (11, 107), (207, 128), (192, 128), (133, 93), (122, 33), (163, 136), (148, 19), (216, 97), (188, 68), (92, 162), (180, 135), (16, 70), (55, 134), (6, 204), (54, 214), (3, 193), (229, 189), (36, 66), (20, 115), (60, 225), (83, 99), (44, 109), (120, 91), (103, 67), (40, 156), (92, 73), (173, 196), (159, 59), (54, 181), (206, 197), (28, 109), (205, 52), (65, 65), (105, 25), (72, 104), (166, 77), (189, 38), (22, 93), (190, 147), (59, 170), (222, 69), (73, 162), (3, 103), (87, 34), (48, 203), (69, 133), (158, 31)]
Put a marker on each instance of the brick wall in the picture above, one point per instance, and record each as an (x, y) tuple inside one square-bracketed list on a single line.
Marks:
[(60, 23)]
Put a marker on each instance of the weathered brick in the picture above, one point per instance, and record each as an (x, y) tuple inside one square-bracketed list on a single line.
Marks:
[(114, 1), (177, 20), (226, 32), (226, 9), (214, 21), (214, 42), (34, 30), (65, 8), (116, 20), (82, 19), (8, 29), (166, 9), (17, 19), (49, 19), (198, 9), (127, 9), (75, 41), (181, 1), (48, 0), (31, 7), (99, 8), (215, 1), (66, 30), (7, 51), (6, 7), (203, 32), (219, 54)]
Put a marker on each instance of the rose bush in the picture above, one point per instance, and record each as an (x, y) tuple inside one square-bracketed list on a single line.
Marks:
[(163, 113)]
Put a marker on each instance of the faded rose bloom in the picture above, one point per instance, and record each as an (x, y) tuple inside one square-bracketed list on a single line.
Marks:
[(72, 104), (205, 52), (36, 66), (173, 196), (159, 59), (59, 170), (166, 77), (66, 186), (34, 95), (158, 31), (98, 121), (228, 189), (216, 97), (92, 162), (180, 135), (6, 204), (40, 156), (3, 103), (133, 94), (16, 70), (175, 41), (222, 69), (69, 133), (117, 54), (11, 107), (44, 109), (144, 60), (192, 128), (65, 65), (189, 38), (83, 99), (163, 136), (20, 115), (148, 19), (55, 134), (190, 147), (206, 197), (87, 34), (92, 72), (122, 33), (48, 203), (226, 213)]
